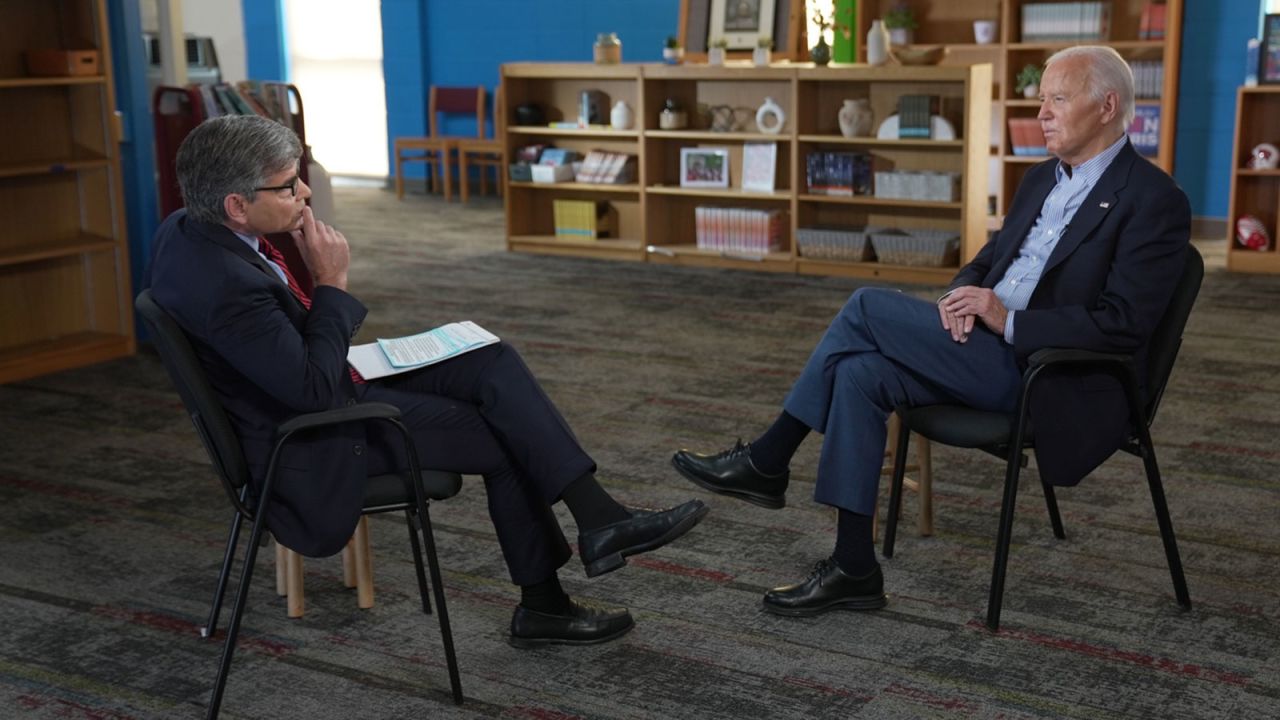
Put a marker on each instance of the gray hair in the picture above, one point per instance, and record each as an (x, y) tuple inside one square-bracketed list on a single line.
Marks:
[(232, 154), (1108, 72)]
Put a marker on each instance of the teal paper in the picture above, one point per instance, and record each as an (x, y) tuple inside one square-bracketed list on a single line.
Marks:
[(845, 47)]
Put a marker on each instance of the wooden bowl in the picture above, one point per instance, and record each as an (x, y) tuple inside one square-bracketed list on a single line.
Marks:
[(919, 55)]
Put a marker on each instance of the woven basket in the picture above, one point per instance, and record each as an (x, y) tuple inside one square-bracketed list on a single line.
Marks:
[(848, 244), (921, 248)]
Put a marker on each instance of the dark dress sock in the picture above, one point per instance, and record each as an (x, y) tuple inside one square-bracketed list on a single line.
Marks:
[(771, 452), (546, 596), (855, 551), (591, 506)]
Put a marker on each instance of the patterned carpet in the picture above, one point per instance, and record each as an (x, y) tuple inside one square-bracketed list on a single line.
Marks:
[(111, 528)]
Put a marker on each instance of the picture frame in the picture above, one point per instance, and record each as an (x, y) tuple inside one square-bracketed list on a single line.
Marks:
[(741, 22), (1269, 51), (704, 167), (759, 166)]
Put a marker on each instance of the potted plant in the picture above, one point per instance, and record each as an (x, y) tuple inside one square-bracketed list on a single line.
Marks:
[(1028, 80), (820, 54), (760, 56), (672, 54), (900, 20), (715, 55)]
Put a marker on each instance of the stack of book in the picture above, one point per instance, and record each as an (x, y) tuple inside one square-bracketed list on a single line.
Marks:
[(838, 173), (915, 113), (1027, 137), (1070, 21), (583, 219), (1148, 78), (601, 166), (741, 230), (1151, 25)]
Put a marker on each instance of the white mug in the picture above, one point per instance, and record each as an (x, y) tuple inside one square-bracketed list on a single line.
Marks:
[(984, 31)]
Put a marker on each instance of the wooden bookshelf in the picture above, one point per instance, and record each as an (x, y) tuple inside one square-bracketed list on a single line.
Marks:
[(64, 268), (656, 215), (1254, 192), (950, 24)]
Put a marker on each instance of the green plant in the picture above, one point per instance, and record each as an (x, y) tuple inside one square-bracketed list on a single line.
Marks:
[(764, 41), (720, 43), (673, 42), (900, 16), (1029, 75)]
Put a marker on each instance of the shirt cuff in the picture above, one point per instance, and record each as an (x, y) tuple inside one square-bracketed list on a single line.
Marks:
[(944, 296), (1008, 327)]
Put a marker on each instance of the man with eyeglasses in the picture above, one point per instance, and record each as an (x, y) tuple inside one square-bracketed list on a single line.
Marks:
[(1088, 257), (272, 350)]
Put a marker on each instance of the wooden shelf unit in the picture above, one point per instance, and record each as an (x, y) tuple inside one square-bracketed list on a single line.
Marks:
[(1254, 192), (950, 24), (658, 225), (64, 268)]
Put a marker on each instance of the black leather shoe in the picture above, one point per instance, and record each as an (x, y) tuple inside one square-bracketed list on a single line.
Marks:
[(732, 473), (828, 588), (587, 623), (605, 549)]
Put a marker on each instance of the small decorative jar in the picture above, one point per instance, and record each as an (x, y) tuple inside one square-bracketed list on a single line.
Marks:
[(607, 49), (855, 118), (672, 116), (877, 44), (621, 117), (760, 57)]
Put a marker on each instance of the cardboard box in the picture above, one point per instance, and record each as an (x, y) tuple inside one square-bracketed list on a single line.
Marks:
[(551, 173), (61, 63)]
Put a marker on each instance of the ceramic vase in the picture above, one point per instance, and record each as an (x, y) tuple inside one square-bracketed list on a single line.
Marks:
[(1031, 91), (715, 56), (820, 54), (672, 56), (760, 57), (855, 118), (621, 117), (877, 44), (900, 36)]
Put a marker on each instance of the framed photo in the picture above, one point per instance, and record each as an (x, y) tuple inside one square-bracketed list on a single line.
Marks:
[(759, 163), (741, 22), (704, 167), (1269, 53)]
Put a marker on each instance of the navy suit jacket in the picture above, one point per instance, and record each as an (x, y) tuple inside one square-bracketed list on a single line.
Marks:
[(269, 359), (1104, 287)]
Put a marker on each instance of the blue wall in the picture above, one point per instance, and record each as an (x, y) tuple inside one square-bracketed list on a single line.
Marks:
[(1213, 52), (264, 34)]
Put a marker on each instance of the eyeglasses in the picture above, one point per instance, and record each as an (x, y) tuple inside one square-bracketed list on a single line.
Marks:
[(291, 186)]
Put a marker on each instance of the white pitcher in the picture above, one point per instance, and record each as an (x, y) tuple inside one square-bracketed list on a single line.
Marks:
[(621, 117), (877, 44)]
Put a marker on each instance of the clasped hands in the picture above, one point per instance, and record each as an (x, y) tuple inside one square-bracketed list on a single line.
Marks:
[(962, 307)]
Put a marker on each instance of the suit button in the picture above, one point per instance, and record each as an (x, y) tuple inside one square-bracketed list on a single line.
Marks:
[(358, 449)]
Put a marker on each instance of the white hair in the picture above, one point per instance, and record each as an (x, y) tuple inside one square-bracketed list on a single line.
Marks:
[(1107, 72)]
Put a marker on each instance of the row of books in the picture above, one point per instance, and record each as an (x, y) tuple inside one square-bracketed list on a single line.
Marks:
[(601, 166), (1052, 22), (1148, 78), (742, 230), (915, 113), (1151, 24), (248, 97), (838, 173), (583, 219)]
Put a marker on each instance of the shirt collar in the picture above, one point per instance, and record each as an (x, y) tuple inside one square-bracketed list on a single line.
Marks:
[(1090, 170), (250, 240)]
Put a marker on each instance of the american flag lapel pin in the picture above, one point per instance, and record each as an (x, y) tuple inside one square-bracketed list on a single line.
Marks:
[(1104, 205)]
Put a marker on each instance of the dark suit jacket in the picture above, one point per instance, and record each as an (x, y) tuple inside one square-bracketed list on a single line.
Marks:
[(1105, 287), (269, 360)]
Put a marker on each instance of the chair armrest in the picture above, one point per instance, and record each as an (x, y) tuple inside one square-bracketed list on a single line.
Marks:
[(1070, 356), (363, 411)]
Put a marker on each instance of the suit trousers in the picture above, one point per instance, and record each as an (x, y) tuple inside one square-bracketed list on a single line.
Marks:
[(484, 413), (883, 350)]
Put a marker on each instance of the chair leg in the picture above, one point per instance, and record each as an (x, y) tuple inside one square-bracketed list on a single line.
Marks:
[(1055, 518), (228, 557), (297, 599), (1162, 518), (924, 458), (282, 570), (399, 175), (349, 563), (895, 492), (1005, 533), (364, 564), (464, 177), (237, 611), (437, 586), (417, 563)]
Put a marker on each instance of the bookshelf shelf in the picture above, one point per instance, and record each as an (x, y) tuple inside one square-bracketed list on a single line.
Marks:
[(34, 82), (624, 189), (880, 202), (575, 132), (876, 142), (53, 249), (724, 193), (1255, 193)]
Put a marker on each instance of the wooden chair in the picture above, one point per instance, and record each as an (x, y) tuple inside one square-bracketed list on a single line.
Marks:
[(436, 147), (484, 153), (922, 484), (357, 572)]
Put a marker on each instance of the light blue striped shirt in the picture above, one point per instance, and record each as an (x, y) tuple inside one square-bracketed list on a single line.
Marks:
[(1020, 279), (253, 243)]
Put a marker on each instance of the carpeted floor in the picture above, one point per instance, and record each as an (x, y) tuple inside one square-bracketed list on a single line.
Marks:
[(111, 528)]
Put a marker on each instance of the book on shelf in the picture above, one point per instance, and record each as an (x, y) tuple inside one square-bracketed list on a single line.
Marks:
[(558, 156), (1151, 24), (915, 115), (583, 219), (737, 230), (1066, 21), (838, 173), (1144, 131), (759, 166), (603, 167)]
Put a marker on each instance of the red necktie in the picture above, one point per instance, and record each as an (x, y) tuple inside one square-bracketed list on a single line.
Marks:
[(272, 253)]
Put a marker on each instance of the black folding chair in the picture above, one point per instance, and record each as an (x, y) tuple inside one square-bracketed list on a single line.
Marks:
[(383, 493), (1009, 437)]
